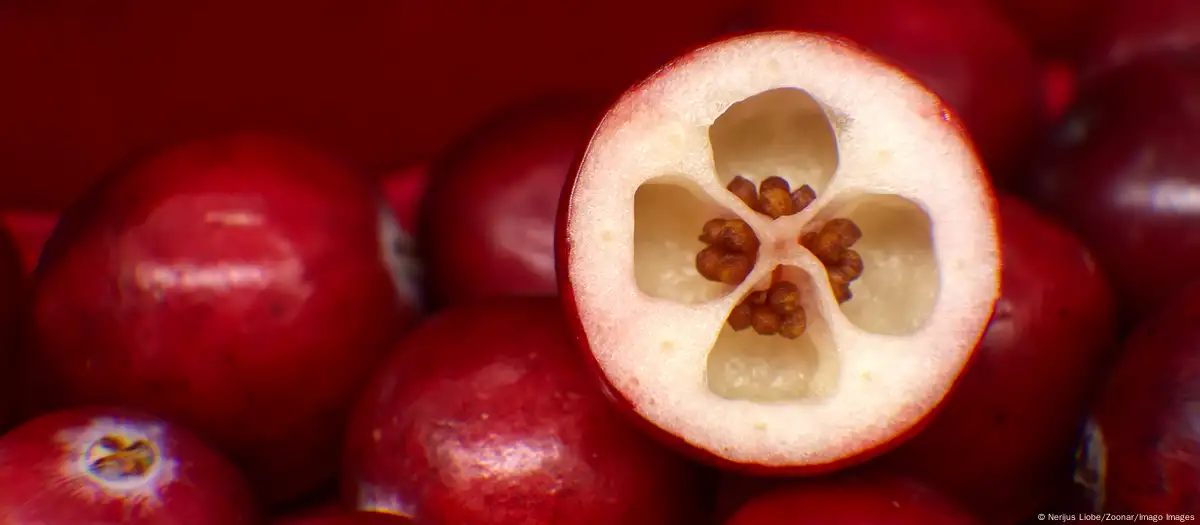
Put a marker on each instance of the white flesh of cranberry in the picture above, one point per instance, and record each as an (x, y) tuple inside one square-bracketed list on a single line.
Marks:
[(878, 149)]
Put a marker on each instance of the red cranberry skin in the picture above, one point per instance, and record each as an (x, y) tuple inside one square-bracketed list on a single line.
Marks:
[(487, 224), (871, 499), (45, 479), (1143, 441), (487, 414), (1127, 31), (239, 285), (1121, 170)]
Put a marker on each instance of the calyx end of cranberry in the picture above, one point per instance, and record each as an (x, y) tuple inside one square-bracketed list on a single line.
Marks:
[(115, 458), (119, 455), (893, 300)]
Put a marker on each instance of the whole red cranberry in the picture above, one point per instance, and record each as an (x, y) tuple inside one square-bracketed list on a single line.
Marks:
[(103, 466), (1122, 170), (487, 414), (243, 285), (1142, 453), (487, 226)]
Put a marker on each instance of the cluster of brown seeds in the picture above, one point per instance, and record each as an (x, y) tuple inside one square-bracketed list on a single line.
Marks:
[(831, 244), (775, 310), (731, 250), (731, 246), (773, 198)]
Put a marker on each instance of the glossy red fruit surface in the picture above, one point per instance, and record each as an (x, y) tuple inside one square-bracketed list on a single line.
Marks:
[(963, 50), (1121, 171), (381, 80), (488, 218), (1127, 31), (1143, 443), (243, 285), (486, 414), (851, 501), (104, 466), (1003, 440)]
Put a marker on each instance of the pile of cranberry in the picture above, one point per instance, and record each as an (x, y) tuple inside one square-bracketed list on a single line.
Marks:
[(269, 262)]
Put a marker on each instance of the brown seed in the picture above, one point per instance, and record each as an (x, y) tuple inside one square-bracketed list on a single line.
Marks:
[(792, 325), (827, 247), (741, 316), (736, 266), (757, 297), (775, 202), (743, 189), (710, 233), (716, 264), (784, 297), (845, 231), (708, 262), (851, 265), (774, 183), (737, 236), (802, 197), (808, 240), (765, 321)]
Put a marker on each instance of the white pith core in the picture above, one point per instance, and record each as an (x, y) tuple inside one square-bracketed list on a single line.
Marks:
[(877, 149)]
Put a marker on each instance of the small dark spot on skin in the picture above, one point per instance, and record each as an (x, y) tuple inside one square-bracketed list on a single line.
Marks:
[(1063, 314), (276, 309)]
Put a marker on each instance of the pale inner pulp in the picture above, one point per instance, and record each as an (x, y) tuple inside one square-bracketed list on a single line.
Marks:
[(786, 133)]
